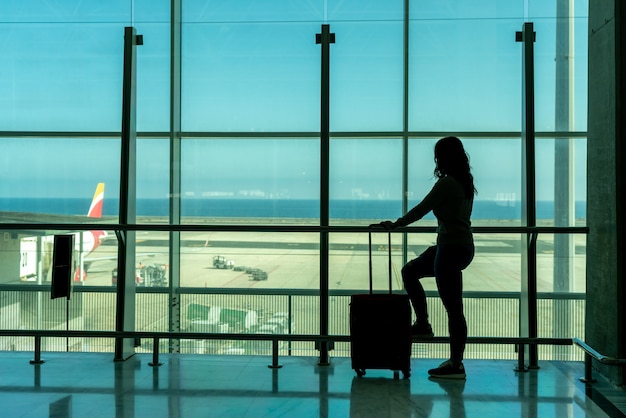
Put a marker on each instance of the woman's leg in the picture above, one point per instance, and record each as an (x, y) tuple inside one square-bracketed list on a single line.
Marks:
[(412, 272), (449, 263)]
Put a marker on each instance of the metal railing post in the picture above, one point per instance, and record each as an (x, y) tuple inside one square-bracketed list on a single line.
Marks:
[(275, 364), (588, 370), (289, 329), (521, 366), (155, 352), (37, 359)]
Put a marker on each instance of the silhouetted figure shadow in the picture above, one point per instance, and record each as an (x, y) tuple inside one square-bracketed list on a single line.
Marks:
[(454, 389)]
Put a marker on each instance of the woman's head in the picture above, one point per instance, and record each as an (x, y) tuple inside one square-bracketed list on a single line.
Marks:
[(452, 160)]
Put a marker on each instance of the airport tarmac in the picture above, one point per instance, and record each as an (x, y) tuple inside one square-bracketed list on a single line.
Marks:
[(291, 260)]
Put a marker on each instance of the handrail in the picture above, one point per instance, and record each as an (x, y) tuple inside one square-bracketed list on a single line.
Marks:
[(591, 353), (292, 134), (467, 294), (261, 337), (275, 338), (611, 361), (87, 226)]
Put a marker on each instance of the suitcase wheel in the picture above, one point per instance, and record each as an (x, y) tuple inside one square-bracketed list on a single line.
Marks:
[(360, 372)]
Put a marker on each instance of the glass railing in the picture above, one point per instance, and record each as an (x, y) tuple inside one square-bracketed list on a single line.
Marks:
[(273, 311)]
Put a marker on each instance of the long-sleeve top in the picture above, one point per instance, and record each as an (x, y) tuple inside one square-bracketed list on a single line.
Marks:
[(452, 209)]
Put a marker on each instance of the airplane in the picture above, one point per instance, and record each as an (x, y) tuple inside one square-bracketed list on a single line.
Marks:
[(86, 242), (92, 239)]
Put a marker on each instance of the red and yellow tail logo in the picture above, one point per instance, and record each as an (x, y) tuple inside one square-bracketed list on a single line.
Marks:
[(95, 210)]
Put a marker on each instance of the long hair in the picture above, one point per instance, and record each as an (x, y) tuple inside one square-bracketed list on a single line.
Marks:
[(452, 160)]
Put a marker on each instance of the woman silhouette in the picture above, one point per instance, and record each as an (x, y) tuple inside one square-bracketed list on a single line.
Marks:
[(450, 200)]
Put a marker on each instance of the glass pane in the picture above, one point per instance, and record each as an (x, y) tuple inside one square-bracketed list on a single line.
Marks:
[(561, 263), (498, 180), (152, 262), (365, 180), (153, 180), (256, 282), (465, 75), (560, 65), (561, 181), (366, 82), (259, 180), (27, 256), (153, 78), (349, 262), (561, 274), (65, 76), (497, 264), (363, 10), (456, 9), (62, 12), (195, 11), (59, 176), (152, 11), (421, 163), (250, 77)]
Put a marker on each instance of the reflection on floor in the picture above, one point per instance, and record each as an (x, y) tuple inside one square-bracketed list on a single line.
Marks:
[(92, 385)]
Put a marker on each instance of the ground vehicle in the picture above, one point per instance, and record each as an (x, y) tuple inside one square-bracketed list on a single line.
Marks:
[(258, 274), (220, 262), (154, 276), (150, 276), (138, 278), (28, 259)]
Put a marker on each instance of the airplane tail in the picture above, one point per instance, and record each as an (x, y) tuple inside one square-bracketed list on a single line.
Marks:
[(95, 210), (90, 240)]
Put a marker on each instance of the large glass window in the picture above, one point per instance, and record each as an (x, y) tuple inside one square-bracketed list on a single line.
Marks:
[(250, 161)]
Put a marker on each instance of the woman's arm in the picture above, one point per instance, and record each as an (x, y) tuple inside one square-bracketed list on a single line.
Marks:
[(433, 199)]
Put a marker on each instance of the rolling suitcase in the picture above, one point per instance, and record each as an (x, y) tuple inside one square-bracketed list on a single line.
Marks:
[(380, 328)]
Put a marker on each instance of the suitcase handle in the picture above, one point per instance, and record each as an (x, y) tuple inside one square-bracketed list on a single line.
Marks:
[(371, 265)]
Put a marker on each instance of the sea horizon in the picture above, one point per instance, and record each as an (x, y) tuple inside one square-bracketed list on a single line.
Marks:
[(273, 208)]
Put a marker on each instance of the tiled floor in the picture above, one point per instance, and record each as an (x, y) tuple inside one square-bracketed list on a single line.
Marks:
[(92, 385)]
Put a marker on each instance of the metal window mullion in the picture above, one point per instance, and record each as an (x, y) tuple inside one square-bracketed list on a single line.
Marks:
[(528, 302), (125, 312), (325, 38), (405, 129)]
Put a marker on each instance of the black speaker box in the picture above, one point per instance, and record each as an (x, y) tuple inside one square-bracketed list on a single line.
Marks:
[(62, 266)]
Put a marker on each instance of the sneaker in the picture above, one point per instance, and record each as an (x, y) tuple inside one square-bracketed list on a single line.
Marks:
[(422, 330), (447, 370)]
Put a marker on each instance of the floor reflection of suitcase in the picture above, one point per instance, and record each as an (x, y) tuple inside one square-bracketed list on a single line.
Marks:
[(380, 328), (382, 397)]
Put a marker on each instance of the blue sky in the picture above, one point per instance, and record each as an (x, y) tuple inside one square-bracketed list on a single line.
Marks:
[(254, 67)]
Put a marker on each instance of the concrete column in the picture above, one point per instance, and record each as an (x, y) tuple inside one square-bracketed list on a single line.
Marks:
[(606, 191)]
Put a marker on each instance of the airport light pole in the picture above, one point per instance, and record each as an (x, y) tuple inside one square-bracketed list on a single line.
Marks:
[(564, 195)]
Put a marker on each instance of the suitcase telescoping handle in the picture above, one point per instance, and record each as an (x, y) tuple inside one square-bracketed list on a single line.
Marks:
[(370, 260)]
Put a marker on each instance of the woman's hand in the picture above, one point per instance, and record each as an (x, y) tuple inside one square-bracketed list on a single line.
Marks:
[(389, 225)]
